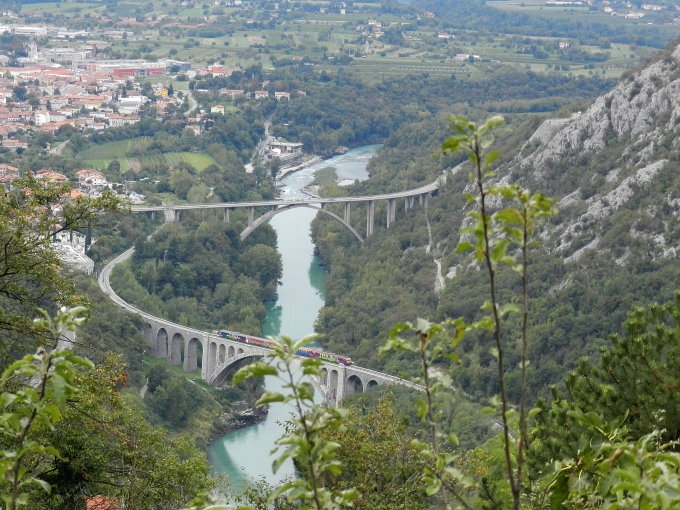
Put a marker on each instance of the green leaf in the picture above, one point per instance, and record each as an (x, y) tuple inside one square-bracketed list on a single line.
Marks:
[(270, 397), (509, 308), (257, 369), (490, 156), (498, 251), (434, 487), (464, 246), (559, 491)]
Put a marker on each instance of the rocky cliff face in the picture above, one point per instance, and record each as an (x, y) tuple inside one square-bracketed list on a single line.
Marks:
[(614, 165), (640, 110)]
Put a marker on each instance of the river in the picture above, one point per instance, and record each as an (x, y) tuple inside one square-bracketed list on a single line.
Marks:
[(245, 452)]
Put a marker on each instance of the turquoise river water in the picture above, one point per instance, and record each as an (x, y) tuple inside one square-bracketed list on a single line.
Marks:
[(246, 452)]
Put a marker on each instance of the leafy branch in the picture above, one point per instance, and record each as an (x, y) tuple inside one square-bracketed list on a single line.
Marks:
[(302, 442), (32, 388), (491, 236), (439, 463)]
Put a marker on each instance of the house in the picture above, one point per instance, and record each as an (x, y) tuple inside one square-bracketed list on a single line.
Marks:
[(8, 173), (195, 128), (41, 117), (116, 120), (232, 92), (261, 94), (218, 108), (13, 145), (91, 176), (285, 151), (282, 95), (50, 175), (216, 70)]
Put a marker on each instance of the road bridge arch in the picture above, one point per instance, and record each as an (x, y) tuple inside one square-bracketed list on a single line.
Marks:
[(268, 215)]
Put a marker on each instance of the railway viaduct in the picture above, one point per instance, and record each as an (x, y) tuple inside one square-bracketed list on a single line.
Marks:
[(216, 356)]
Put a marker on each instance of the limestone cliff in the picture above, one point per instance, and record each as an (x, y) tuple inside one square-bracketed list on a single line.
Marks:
[(613, 165)]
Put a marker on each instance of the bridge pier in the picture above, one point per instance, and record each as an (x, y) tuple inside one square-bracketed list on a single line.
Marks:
[(391, 211), (347, 211), (226, 214), (251, 215), (175, 214), (370, 217)]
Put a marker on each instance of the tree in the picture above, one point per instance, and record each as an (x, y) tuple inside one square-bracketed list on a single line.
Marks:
[(31, 213), (31, 390), (107, 448), (623, 412), (67, 433), (274, 167), (369, 438), (19, 93)]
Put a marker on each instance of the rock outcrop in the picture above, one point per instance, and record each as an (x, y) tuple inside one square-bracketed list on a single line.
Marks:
[(619, 153)]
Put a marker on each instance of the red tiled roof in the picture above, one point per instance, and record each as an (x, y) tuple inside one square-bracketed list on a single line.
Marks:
[(101, 503)]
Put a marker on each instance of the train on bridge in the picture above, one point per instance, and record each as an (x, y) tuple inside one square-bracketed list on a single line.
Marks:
[(307, 352)]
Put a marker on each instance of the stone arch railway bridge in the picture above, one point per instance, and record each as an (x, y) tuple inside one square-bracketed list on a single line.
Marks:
[(269, 208), (216, 355)]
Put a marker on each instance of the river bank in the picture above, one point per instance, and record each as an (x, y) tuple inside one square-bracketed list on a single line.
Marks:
[(241, 416), (306, 162)]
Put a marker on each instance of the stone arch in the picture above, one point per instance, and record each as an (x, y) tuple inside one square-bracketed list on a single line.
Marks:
[(231, 351), (324, 377), (160, 347), (353, 385), (222, 354), (239, 351), (270, 214), (222, 376), (193, 357), (176, 345), (372, 384)]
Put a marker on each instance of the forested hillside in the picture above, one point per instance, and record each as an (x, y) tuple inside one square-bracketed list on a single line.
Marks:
[(612, 245)]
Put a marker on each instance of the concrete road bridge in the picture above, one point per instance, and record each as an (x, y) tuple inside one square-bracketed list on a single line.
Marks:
[(217, 356), (260, 212)]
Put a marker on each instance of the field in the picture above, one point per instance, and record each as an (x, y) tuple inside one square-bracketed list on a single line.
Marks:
[(132, 153), (207, 33)]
